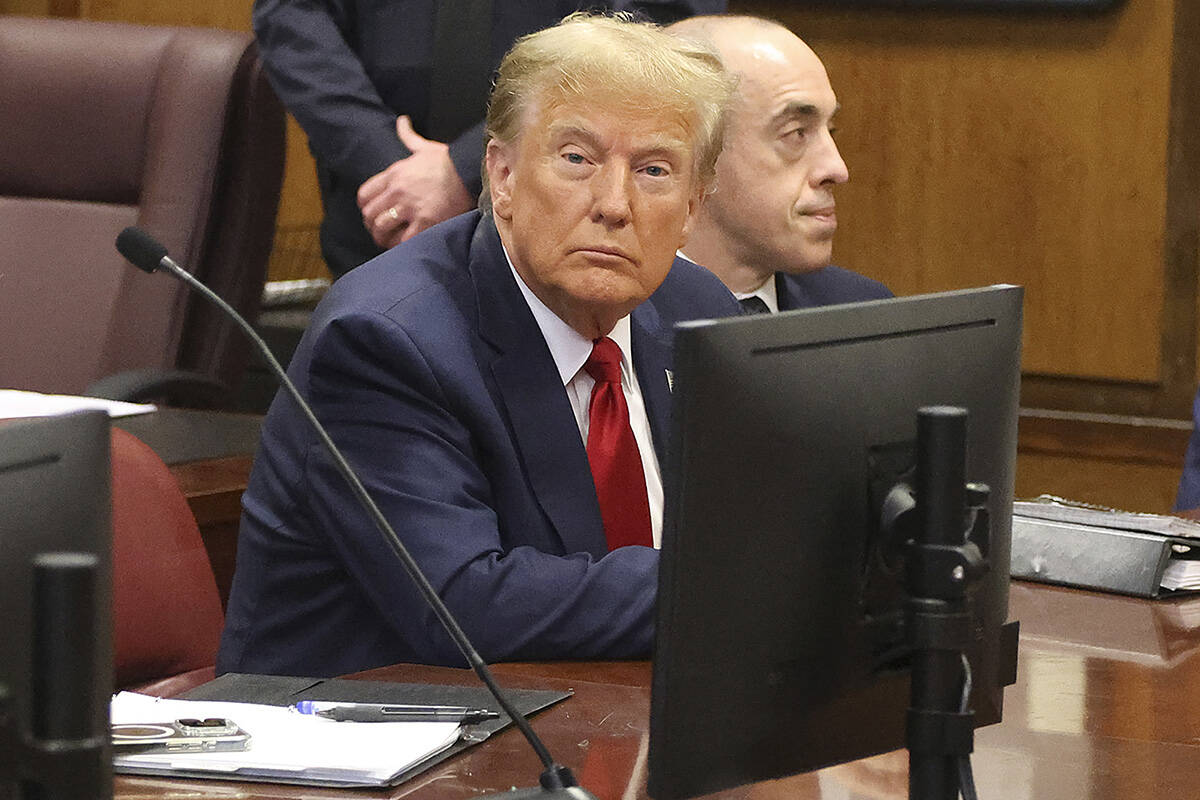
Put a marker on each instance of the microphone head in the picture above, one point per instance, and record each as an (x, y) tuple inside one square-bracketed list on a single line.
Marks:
[(141, 249)]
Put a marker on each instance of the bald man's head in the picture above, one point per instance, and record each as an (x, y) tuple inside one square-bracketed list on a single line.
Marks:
[(773, 207)]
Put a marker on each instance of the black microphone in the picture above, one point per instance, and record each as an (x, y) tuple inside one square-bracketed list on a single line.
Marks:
[(557, 781)]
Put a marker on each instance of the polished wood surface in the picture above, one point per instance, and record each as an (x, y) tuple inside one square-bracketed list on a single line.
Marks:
[(1106, 707), (214, 492)]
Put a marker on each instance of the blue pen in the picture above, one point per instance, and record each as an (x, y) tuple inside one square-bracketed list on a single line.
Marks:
[(375, 712)]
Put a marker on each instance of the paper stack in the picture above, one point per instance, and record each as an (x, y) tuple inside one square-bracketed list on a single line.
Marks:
[(285, 746)]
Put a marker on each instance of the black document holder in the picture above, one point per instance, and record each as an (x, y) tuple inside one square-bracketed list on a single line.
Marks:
[(282, 690)]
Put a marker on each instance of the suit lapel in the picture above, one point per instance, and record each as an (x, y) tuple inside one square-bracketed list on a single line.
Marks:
[(530, 392), (788, 294), (652, 362)]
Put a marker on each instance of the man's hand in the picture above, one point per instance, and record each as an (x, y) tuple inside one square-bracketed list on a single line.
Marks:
[(413, 193)]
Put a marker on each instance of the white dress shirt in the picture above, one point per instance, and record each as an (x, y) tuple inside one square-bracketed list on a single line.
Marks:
[(570, 351), (767, 293)]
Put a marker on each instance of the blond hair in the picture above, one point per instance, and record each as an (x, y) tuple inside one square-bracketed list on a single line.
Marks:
[(589, 54)]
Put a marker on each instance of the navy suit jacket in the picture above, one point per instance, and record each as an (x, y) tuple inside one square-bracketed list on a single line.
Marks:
[(826, 287), (1189, 482), (428, 369)]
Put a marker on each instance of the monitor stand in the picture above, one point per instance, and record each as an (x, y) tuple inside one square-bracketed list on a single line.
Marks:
[(62, 757), (947, 532)]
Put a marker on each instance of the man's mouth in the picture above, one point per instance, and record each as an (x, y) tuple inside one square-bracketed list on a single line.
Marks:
[(828, 213), (604, 250)]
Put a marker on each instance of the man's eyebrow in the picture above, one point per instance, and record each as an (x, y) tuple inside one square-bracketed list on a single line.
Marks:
[(799, 110), (562, 130), (660, 146)]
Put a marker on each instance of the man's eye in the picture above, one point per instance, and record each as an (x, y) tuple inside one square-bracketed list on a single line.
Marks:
[(574, 158), (656, 171)]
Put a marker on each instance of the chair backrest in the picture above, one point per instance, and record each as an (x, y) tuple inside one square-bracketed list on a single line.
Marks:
[(106, 125), (167, 615)]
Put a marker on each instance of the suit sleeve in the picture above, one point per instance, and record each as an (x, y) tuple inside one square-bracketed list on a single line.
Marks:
[(1189, 482), (408, 436), (324, 85)]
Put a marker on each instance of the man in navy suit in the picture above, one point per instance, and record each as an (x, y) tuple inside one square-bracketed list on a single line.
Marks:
[(457, 374), (767, 230)]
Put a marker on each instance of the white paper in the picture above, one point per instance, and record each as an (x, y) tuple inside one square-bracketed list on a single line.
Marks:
[(286, 746), (15, 403), (1181, 574)]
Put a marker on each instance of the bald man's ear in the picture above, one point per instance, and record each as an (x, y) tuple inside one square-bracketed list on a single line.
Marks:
[(694, 204), (499, 162)]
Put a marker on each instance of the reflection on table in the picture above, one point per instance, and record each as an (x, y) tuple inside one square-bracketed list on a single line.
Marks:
[(1106, 706)]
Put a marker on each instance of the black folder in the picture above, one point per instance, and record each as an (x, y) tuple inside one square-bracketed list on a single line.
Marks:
[(281, 690)]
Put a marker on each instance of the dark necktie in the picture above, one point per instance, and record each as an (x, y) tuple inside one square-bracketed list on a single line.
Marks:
[(754, 305), (613, 453)]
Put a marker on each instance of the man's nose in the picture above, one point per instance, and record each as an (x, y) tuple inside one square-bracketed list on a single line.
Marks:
[(611, 194), (831, 168)]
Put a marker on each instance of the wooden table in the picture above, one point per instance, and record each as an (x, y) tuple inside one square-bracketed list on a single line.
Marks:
[(1106, 706)]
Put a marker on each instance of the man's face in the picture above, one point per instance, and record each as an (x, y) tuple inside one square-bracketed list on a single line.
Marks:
[(592, 200), (774, 198)]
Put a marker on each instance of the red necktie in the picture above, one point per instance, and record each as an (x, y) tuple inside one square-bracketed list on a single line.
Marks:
[(613, 453)]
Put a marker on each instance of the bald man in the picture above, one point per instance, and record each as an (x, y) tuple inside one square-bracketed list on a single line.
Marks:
[(767, 230)]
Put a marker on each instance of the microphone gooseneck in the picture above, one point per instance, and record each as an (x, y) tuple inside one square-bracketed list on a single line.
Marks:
[(148, 255)]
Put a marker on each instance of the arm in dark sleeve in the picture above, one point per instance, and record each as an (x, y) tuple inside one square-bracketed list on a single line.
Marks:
[(323, 83), (466, 153), (419, 446), (1189, 482)]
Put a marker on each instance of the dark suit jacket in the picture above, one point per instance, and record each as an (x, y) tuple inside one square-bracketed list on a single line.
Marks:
[(347, 68), (1188, 496), (826, 287), (429, 371)]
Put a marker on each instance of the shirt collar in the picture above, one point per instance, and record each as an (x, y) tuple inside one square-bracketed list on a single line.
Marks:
[(569, 348), (768, 293)]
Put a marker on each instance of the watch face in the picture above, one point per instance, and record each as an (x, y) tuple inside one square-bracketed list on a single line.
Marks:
[(129, 734)]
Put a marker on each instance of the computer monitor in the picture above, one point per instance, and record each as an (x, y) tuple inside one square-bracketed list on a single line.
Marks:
[(56, 658), (780, 645)]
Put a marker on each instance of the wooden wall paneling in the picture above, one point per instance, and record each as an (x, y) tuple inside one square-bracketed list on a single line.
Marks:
[(40, 8), (1046, 149), (231, 14), (1119, 461)]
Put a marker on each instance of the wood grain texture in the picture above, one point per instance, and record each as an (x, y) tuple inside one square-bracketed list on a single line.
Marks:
[(231, 14), (1016, 148)]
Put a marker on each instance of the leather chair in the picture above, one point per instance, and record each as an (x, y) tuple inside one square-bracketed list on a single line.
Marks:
[(167, 615), (106, 125)]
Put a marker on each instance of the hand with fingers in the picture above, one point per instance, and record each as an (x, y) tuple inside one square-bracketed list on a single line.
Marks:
[(413, 193)]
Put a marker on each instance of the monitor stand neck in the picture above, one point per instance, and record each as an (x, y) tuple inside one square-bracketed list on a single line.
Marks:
[(66, 755), (945, 561)]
